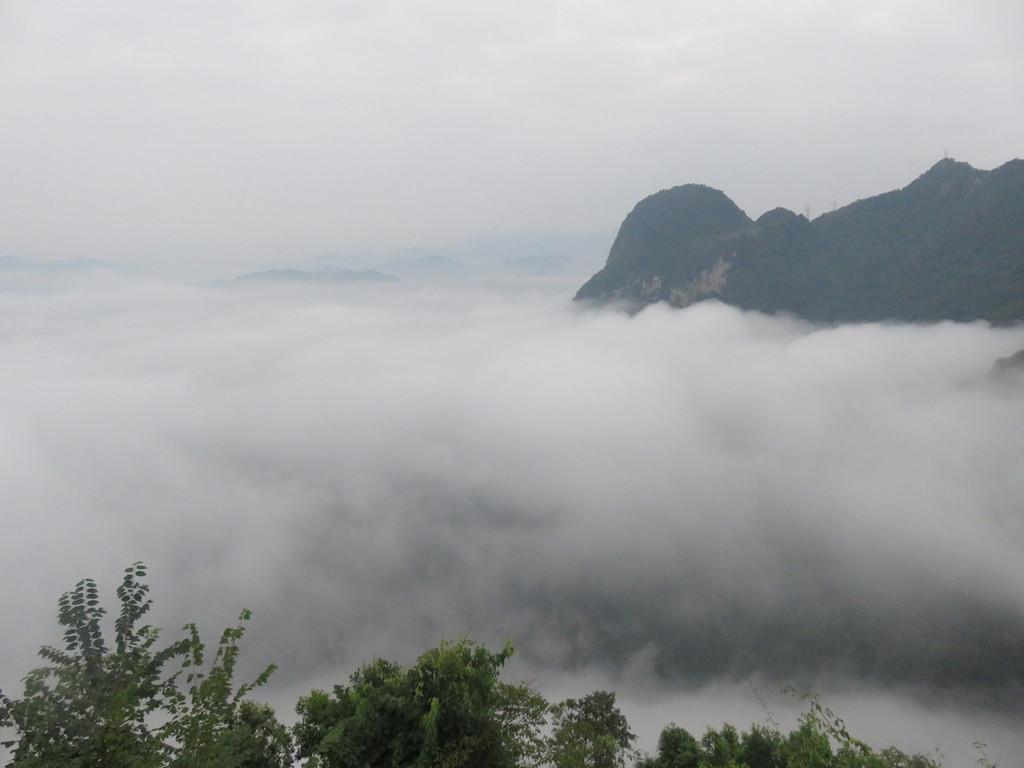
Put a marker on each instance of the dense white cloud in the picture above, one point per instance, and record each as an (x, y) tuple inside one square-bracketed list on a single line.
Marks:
[(671, 500), (658, 503), (253, 131)]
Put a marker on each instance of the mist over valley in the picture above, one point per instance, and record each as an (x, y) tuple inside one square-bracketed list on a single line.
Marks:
[(287, 314), (682, 505)]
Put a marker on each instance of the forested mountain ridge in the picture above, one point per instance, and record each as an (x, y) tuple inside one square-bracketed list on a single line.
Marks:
[(948, 246)]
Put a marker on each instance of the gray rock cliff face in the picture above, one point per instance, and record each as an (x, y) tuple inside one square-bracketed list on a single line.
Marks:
[(670, 243)]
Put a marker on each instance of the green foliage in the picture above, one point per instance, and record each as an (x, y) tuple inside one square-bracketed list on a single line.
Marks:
[(448, 710), (255, 738), (522, 717), (820, 740), (208, 720), (133, 704), (677, 748), (591, 731), (821, 730), (97, 707), (760, 747)]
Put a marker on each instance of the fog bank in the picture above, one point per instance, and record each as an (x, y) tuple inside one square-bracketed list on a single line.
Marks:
[(672, 504)]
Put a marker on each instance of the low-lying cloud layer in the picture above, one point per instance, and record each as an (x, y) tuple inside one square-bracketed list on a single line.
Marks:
[(667, 502)]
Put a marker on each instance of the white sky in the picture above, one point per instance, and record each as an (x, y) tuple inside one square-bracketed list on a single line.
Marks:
[(256, 132)]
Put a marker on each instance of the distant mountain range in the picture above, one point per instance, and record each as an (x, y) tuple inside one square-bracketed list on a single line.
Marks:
[(339, 276), (550, 249), (500, 254), (513, 255), (949, 246)]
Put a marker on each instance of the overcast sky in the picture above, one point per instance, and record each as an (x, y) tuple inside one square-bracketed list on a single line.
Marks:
[(252, 132)]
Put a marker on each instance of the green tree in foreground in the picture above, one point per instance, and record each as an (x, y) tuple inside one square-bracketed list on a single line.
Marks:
[(448, 710), (135, 704), (590, 733)]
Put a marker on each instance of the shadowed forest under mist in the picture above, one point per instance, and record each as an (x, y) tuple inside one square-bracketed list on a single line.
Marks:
[(678, 504)]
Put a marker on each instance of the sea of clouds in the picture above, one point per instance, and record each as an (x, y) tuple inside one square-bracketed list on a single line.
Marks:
[(693, 507)]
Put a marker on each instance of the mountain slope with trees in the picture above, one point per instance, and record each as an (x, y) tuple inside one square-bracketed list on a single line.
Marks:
[(948, 246)]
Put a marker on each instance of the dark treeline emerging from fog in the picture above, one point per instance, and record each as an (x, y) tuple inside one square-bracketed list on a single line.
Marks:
[(677, 505)]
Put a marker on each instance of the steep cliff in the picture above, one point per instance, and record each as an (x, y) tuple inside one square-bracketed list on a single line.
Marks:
[(950, 245)]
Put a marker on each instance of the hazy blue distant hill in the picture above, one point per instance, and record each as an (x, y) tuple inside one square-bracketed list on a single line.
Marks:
[(950, 245), (342, 276), (1011, 367), (500, 252)]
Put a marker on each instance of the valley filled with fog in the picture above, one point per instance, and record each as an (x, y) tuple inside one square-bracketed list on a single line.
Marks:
[(691, 507)]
